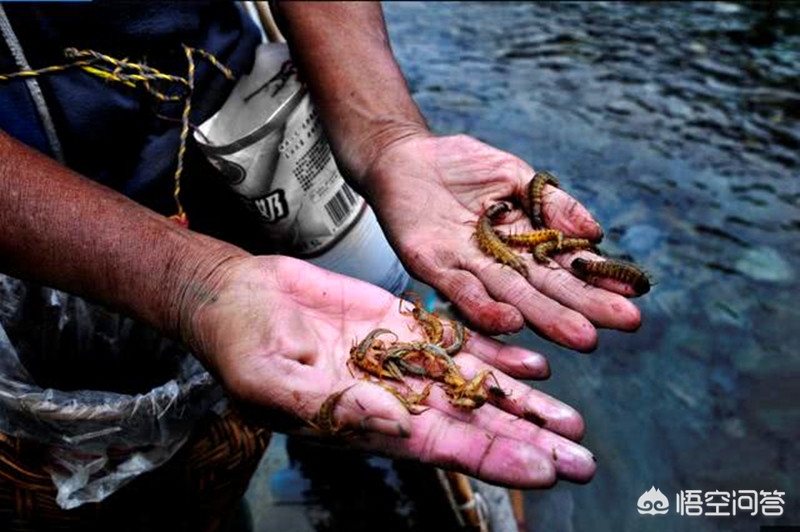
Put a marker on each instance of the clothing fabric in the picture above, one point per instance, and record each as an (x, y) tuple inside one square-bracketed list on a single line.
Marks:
[(111, 133), (111, 396)]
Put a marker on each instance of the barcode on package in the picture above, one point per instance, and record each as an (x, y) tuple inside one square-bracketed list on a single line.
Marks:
[(340, 205)]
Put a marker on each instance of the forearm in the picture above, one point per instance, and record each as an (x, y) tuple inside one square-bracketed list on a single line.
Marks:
[(63, 230), (343, 52)]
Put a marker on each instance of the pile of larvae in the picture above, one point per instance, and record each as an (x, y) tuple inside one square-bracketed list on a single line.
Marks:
[(382, 358), (544, 242), (429, 359)]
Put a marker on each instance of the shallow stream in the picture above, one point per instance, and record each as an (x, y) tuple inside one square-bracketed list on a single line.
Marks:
[(678, 126)]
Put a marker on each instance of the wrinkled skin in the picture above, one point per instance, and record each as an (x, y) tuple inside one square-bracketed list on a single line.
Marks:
[(281, 331), (428, 193)]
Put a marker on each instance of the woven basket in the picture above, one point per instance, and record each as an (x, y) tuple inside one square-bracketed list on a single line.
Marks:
[(194, 491)]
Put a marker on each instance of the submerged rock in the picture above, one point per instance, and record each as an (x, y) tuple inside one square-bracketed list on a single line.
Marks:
[(765, 264)]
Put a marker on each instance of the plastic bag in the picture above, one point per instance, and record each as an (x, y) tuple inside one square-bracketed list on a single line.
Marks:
[(110, 397)]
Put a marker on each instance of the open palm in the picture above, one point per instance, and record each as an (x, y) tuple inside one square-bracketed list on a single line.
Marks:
[(428, 193), (278, 332)]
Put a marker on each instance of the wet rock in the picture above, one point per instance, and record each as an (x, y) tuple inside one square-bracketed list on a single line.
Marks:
[(765, 264), (698, 48), (727, 8)]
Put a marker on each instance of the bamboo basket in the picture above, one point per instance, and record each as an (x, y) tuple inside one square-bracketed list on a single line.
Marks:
[(196, 490)]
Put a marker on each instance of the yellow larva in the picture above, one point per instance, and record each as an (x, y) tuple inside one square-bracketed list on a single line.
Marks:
[(532, 200), (532, 238), (543, 251), (490, 242)]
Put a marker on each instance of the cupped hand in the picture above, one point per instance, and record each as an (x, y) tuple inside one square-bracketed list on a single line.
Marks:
[(428, 193), (278, 332)]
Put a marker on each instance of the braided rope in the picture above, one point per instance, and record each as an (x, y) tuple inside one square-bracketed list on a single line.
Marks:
[(136, 75)]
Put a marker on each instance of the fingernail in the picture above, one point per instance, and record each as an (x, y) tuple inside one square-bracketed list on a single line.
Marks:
[(387, 427), (534, 363), (512, 322), (575, 454)]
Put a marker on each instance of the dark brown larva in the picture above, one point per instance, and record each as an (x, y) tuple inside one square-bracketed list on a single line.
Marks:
[(532, 200), (490, 242), (613, 269)]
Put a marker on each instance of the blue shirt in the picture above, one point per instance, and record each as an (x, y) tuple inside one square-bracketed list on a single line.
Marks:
[(110, 132)]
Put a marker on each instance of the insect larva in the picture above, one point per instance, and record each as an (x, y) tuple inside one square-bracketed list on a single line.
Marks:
[(324, 420), (460, 336), (533, 238), (543, 251), (490, 242), (613, 269), (574, 244), (429, 321), (532, 200)]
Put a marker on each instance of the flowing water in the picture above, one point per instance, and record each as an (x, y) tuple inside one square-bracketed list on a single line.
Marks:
[(678, 126)]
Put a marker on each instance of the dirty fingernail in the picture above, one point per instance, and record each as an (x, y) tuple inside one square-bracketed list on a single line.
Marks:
[(388, 427), (535, 363), (575, 453)]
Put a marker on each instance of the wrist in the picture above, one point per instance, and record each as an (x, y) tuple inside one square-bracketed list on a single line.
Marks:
[(384, 138), (195, 286)]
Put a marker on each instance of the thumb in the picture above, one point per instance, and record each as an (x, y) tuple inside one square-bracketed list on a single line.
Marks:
[(360, 407)]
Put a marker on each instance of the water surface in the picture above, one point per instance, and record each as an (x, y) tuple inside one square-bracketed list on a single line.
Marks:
[(677, 125)]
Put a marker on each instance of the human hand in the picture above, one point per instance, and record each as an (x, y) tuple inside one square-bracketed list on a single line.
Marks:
[(278, 331), (428, 193)]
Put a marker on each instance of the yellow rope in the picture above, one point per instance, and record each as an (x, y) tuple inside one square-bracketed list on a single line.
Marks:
[(214, 61), (136, 75), (40, 71), (180, 216)]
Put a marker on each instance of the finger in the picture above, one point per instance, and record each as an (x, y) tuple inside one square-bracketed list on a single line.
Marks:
[(470, 296), (548, 317), (510, 359), (562, 211), (601, 307), (446, 442), (525, 402), (572, 461), (361, 406), (611, 285)]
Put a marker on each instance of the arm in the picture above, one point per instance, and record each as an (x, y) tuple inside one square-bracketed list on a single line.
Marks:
[(61, 229), (343, 50), (428, 191), (275, 331)]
